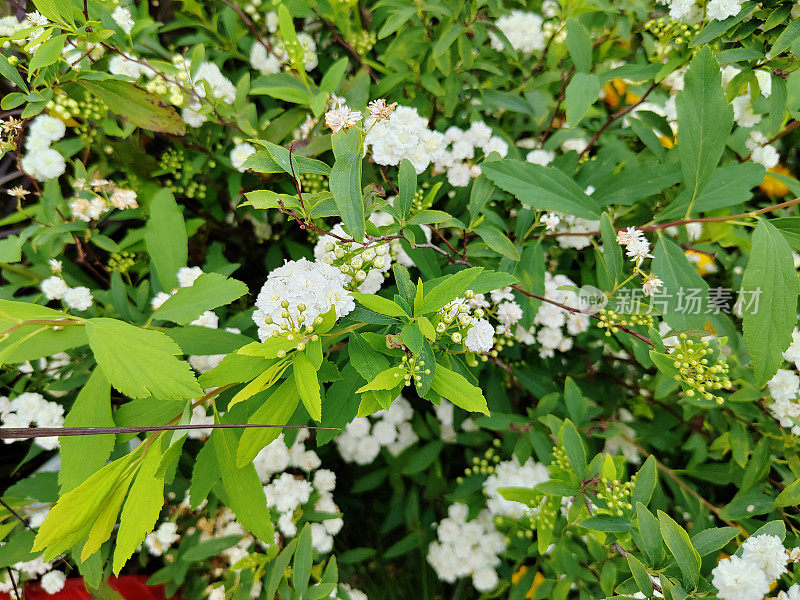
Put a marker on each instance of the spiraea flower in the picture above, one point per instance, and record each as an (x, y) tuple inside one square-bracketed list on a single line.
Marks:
[(378, 109), (651, 285), (342, 117)]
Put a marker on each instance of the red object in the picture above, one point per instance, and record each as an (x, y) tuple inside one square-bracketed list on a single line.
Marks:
[(130, 587)]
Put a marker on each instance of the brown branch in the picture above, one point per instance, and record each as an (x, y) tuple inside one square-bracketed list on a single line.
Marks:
[(346, 45), (614, 117)]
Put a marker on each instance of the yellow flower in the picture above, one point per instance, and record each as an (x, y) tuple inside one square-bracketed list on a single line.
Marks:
[(772, 186), (703, 263), (537, 580)]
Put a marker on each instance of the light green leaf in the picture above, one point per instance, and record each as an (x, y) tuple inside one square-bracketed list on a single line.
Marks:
[(446, 291), (277, 409), (458, 390), (140, 362), (305, 378), (345, 180), (380, 305)]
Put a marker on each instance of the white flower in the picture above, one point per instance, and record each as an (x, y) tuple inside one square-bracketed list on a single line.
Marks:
[(324, 480), (784, 385), (511, 473), (321, 540), (87, 209), (45, 128), (123, 199), (768, 553), (508, 313), (218, 593), (480, 337), (122, 17), (239, 155), (485, 580), (540, 157), (43, 164), (722, 9), (187, 275), (123, 65), (161, 539), (739, 579), (264, 62), (459, 175), (651, 285), (78, 298), (342, 117), (523, 31), (378, 109), (54, 288), (53, 581)]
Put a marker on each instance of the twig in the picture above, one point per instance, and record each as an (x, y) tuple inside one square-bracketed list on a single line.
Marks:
[(616, 116), (346, 45), (247, 21), (23, 433)]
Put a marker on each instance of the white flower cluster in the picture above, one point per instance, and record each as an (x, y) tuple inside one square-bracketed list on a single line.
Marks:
[(298, 292), (511, 473), (457, 158), (76, 298), (122, 17), (286, 492), (362, 438), (96, 197), (749, 576), (52, 581), (552, 320), (162, 539), (445, 412), (467, 548), (41, 161), (688, 11), (637, 248), (239, 155), (364, 266), (404, 134), (761, 151), (522, 29), (30, 408), (34, 21), (569, 224), (784, 387)]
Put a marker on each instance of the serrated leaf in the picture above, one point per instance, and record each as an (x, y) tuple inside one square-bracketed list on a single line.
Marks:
[(209, 291)]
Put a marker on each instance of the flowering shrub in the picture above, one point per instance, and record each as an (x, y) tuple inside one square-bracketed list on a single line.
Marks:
[(399, 299)]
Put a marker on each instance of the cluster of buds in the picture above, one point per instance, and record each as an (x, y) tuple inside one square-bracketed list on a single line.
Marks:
[(422, 200), (415, 369), (483, 465), (362, 41), (611, 320), (313, 183), (692, 363), (121, 261), (170, 90), (357, 261), (676, 32), (560, 462), (456, 316), (173, 161), (616, 495), (294, 328)]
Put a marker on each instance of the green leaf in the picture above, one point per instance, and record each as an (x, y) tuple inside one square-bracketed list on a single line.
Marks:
[(650, 533), (611, 523), (582, 92), (458, 390), (345, 180), (408, 186), (787, 37), (277, 409), (705, 117), (579, 45), (242, 487), (542, 188), (711, 540), (83, 455), (611, 249), (278, 568), (305, 378), (380, 305), (136, 106), (645, 484), (165, 235), (497, 241), (447, 290), (385, 380), (140, 362), (769, 300), (685, 298), (790, 495), (48, 53), (303, 560), (10, 72), (640, 576), (208, 291), (141, 509), (680, 546), (573, 446)]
